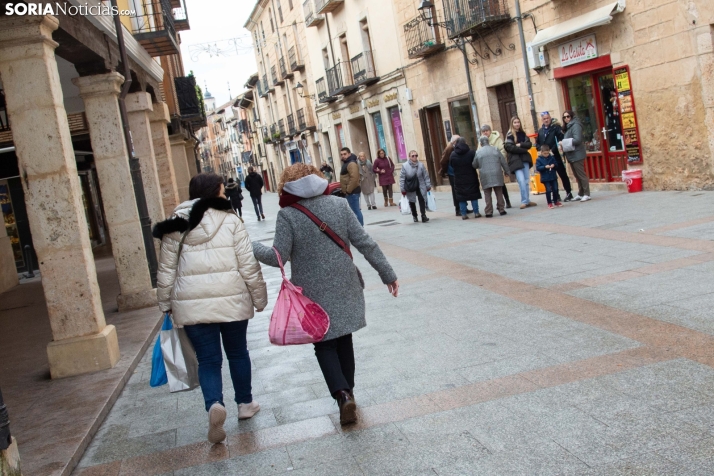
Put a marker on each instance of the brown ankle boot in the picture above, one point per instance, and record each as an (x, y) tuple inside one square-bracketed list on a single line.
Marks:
[(391, 203), (348, 408), (386, 203)]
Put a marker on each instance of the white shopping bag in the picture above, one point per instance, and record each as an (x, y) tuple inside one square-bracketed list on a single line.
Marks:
[(430, 202), (180, 360), (404, 206)]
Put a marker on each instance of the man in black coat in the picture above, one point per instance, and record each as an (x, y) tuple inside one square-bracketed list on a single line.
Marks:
[(466, 183), (254, 184), (551, 134), (234, 195)]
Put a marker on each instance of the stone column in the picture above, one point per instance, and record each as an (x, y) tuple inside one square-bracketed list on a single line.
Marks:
[(100, 94), (178, 157), (82, 342), (139, 106), (159, 117)]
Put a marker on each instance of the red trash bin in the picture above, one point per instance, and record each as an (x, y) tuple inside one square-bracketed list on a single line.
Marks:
[(633, 179)]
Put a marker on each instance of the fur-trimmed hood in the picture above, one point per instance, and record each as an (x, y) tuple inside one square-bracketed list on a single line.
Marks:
[(190, 214)]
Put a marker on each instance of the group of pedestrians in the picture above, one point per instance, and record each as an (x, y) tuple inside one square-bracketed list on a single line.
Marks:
[(254, 185), (210, 281)]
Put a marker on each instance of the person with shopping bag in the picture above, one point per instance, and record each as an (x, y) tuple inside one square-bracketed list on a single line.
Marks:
[(210, 282), (415, 183), (367, 180), (385, 169), (322, 266)]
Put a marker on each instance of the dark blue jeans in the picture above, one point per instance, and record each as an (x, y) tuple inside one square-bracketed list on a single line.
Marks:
[(206, 340), (353, 200), (551, 191), (258, 204)]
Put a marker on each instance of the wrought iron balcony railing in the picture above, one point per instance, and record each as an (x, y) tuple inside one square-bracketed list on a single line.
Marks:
[(274, 132), (324, 6), (262, 92), (311, 19), (422, 40), (363, 69), (274, 76), (281, 127), (180, 15), (190, 106), (291, 125), (266, 85), (340, 81), (152, 24), (285, 73), (296, 62), (305, 120), (469, 17)]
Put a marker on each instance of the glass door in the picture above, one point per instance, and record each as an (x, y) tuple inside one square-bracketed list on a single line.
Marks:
[(611, 131)]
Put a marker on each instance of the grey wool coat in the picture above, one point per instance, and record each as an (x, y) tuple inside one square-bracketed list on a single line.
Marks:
[(491, 165), (322, 269), (575, 132), (367, 176), (408, 170)]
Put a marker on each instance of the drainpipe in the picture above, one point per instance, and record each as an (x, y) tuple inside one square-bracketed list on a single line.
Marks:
[(472, 99), (519, 20), (134, 164)]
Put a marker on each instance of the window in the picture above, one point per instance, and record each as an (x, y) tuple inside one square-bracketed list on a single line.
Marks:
[(280, 11), (272, 25), (398, 133), (325, 59), (463, 123), (340, 133), (582, 101), (290, 4), (379, 130)]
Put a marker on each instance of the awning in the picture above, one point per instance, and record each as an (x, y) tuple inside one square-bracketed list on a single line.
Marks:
[(601, 16)]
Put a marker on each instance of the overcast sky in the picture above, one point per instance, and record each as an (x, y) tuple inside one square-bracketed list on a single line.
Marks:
[(212, 21)]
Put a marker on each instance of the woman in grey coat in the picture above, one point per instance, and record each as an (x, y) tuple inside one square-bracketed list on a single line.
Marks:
[(414, 183), (326, 272), (575, 154), (366, 180), (491, 165)]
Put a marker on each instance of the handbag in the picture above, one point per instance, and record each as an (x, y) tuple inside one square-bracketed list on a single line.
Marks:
[(394, 167), (411, 184), (296, 319)]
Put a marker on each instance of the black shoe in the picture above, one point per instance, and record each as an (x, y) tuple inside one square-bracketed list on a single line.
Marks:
[(258, 218), (489, 216), (416, 219), (465, 217), (374, 207), (504, 212), (568, 198), (348, 407), (262, 216), (458, 213), (424, 219)]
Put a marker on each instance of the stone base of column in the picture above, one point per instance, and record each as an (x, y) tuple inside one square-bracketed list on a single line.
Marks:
[(10, 460), (81, 355), (140, 300)]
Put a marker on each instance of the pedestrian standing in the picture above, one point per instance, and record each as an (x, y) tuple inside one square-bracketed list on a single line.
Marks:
[(573, 141), (448, 170), (328, 172), (465, 178), (551, 134), (349, 180), (333, 281), (491, 165), (496, 140), (547, 166), (366, 174), (384, 168), (254, 184), (519, 159), (210, 283), (234, 194), (414, 183)]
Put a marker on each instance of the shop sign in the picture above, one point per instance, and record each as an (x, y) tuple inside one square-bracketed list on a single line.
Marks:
[(628, 115), (391, 97), (372, 103), (578, 50), (336, 115)]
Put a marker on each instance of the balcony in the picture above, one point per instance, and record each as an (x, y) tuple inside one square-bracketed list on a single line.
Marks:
[(266, 85), (274, 133), (262, 92), (291, 125), (422, 40), (470, 17), (340, 80), (180, 15), (281, 127), (274, 76), (305, 120), (285, 73), (363, 69), (153, 27), (296, 63), (322, 96), (324, 6), (190, 105), (310, 18)]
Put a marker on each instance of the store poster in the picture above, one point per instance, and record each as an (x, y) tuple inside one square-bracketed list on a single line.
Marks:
[(628, 115), (379, 129), (340, 135), (398, 134)]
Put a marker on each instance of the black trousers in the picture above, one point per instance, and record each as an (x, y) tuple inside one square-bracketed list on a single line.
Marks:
[(563, 174), (337, 362), (453, 194), (422, 204), (505, 195)]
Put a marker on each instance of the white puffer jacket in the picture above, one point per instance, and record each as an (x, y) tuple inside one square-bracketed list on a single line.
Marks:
[(216, 278)]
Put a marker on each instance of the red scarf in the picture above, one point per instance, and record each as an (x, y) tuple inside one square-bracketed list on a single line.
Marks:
[(287, 199)]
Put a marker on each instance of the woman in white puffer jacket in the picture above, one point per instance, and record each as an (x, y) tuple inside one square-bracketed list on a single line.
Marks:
[(211, 284)]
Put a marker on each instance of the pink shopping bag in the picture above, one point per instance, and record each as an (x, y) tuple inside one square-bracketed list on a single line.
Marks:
[(296, 319)]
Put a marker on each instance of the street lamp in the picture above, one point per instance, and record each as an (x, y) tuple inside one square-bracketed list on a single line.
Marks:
[(301, 89), (426, 11)]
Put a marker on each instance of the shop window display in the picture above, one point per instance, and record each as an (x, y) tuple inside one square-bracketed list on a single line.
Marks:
[(582, 102), (10, 224)]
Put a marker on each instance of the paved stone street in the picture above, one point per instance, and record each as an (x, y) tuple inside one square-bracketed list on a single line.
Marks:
[(571, 341)]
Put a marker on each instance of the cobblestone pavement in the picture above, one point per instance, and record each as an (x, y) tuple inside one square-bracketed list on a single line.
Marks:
[(569, 341)]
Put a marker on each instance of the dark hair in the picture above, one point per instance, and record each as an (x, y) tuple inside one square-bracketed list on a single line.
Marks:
[(251, 170), (382, 151), (346, 149), (230, 180), (570, 113), (204, 186), (544, 147)]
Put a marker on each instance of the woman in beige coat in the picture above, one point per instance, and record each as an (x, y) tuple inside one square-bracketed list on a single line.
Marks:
[(210, 282), (367, 180)]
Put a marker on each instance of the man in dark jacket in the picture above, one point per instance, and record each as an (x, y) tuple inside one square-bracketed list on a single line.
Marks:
[(350, 180), (465, 178), (235, 195), (551, 134), (446, 169), (254, 184)]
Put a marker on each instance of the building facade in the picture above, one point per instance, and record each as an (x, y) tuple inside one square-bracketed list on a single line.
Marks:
[(639, 75)]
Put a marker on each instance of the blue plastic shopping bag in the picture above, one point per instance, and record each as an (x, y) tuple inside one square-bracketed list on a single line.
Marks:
[(158, 368)]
